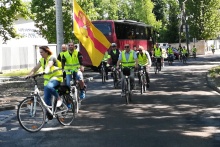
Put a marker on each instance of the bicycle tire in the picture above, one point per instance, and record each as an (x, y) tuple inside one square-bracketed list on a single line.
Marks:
[(126, 92), (155, 68), (142, 84), (66, 118), (102, 74), (115, 79), (28, 119)]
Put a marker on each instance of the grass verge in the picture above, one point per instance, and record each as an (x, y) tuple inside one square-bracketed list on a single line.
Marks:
[(16, 73), (215, 72)]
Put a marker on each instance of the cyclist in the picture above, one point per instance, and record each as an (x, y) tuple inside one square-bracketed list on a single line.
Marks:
[(158, 54), (144, 59), (52, 77), (64, 49), (114, 54), (127, 58), (72, 60), (170, 53), (184, 52), (180, 49), (105, 61), (194, 50)]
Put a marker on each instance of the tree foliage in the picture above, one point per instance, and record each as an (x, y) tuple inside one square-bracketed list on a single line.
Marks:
[(9, 12)]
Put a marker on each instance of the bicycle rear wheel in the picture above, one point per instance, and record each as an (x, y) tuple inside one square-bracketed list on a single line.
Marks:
[(31, 115), (68, 115), (142, 84)]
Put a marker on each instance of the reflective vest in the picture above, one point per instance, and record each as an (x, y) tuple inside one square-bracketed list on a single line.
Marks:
[(130, 62), (170, 51), (157, 52), (55, 72), (106, 56), (184, 51), (194, 50), (72, 62), (142, 59)]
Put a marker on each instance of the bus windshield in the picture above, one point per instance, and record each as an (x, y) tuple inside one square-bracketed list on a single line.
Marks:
[(105, 28)]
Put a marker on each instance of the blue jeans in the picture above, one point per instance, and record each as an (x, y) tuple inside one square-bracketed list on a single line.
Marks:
[(78, 76), (49, 90)]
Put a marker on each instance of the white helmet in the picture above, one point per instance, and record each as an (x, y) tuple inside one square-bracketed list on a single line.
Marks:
[(113, 44)]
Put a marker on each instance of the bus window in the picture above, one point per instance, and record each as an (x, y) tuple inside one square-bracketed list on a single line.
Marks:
[(105, 28)]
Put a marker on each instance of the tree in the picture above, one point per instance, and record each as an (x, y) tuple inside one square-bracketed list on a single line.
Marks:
[(203, 19), (9, 12), (45, 17)]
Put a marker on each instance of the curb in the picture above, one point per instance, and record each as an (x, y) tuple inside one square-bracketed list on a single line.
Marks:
[(211, 83), (7, 106)]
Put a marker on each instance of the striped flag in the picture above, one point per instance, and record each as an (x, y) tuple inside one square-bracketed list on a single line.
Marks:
[(95, 43)]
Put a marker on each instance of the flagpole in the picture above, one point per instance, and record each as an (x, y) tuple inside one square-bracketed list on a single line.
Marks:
[(72, 14), (59, 25)]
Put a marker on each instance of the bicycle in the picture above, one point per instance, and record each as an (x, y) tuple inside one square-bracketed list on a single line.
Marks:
[(127, 84), (116, 76), (142, 78), (157, 65), (31, 112), (74, 91), (103, 73), (170, 59), (184, 59), (194, 55)]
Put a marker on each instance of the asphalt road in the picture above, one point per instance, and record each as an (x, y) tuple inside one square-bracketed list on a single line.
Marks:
[(179, 110)]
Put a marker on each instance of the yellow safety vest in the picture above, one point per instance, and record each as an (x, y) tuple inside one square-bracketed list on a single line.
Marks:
[(157, 52), (72, 62), (170, 51), (130, 62), (106, 56), (194, 50), (142, 59), (184, 51), (55, 72)]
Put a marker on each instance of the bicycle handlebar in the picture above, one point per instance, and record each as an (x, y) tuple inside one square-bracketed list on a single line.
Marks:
[(36, 75)]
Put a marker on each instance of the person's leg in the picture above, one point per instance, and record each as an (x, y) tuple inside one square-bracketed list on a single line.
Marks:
[(79, 77), (132, 79), (47, 96), (106, 70), (122, 85), (68, 79), (50, 88)]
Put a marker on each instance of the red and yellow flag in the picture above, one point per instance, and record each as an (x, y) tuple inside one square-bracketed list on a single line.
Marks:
[(91, 38)]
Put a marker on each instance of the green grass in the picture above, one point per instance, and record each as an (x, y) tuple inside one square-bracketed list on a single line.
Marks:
[(22, 72), (214, 72)]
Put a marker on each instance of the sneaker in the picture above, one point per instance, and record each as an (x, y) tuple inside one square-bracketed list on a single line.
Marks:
[(59, 102), (82, 94), (69, 106)]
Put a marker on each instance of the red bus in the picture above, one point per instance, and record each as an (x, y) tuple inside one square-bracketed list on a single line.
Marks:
[(123, 32)]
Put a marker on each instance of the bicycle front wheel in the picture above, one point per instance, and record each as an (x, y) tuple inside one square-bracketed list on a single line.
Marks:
[(67, 115), (31, 115)]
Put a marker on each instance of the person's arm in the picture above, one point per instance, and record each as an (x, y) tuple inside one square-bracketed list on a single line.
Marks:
[(80, 58), (119, 60), (149, 59), (34, 70), (51, 62), (136, 60), (59, 57)]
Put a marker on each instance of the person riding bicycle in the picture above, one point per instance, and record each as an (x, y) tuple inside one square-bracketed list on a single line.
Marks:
[(128, 59), (170, 53), (184, 52), (194, 50), (144, 59), (113, 55), (72, 60), (52, 75), (64, 49), (180, 49), (105, 62), (158, 54)]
